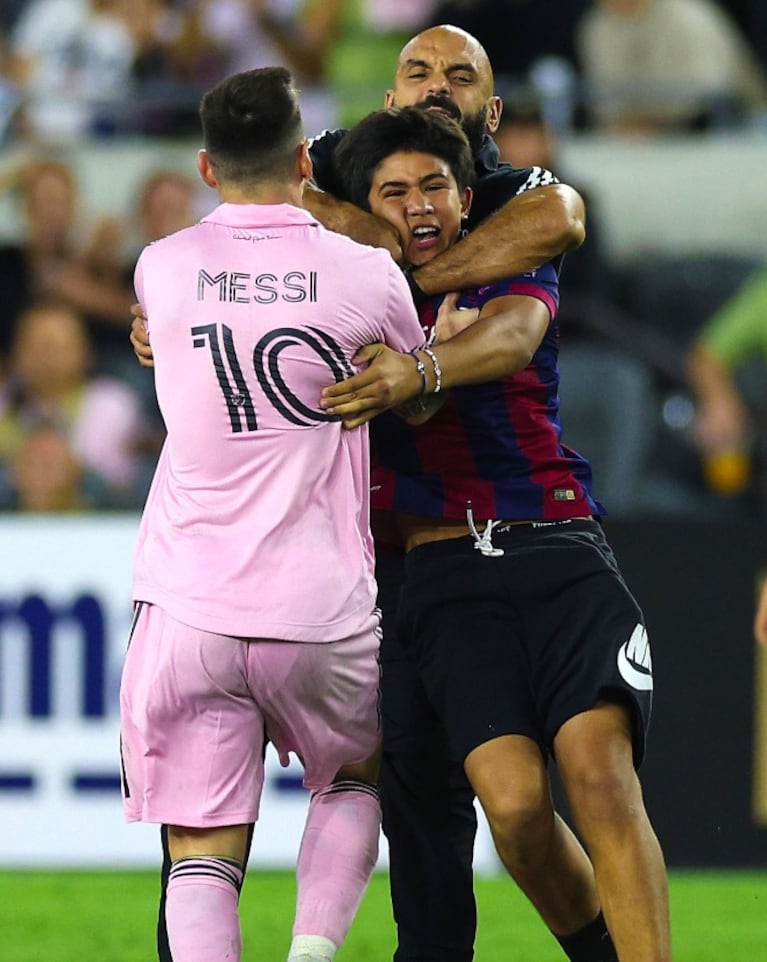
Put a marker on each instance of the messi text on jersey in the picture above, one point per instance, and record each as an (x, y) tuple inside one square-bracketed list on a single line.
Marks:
[(242, 288)]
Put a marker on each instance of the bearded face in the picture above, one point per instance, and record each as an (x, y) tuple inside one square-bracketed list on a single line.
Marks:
[(474, 125), (446, 69)]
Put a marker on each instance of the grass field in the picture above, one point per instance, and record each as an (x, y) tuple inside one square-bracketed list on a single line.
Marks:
[(109, 917)]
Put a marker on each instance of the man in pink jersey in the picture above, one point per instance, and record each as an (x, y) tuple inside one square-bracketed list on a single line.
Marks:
[(253, 577)]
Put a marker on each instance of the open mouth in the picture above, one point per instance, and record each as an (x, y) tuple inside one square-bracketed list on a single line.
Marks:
[(425, 236)]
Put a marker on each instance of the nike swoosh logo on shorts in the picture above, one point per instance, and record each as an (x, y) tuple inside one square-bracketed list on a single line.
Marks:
[(635, 661)]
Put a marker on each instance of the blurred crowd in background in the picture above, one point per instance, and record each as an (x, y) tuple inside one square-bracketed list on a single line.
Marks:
[(664, 383)]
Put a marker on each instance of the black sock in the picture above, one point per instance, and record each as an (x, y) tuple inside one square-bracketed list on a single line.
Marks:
[(592, 943), (163, 949)]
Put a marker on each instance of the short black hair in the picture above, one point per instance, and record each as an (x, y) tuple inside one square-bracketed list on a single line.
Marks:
[(409, 129), (251, 124)]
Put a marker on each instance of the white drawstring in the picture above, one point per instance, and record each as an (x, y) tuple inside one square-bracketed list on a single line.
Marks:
[(483, 542)]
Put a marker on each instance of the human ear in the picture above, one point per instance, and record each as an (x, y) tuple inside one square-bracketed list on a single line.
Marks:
[(494, 110), (466, 199), (205, 170)]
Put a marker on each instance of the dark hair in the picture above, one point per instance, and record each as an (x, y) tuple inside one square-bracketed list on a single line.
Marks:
[(386, 132), (251, 124)]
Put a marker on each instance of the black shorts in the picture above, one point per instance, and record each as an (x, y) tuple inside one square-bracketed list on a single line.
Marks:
[(520, 643)]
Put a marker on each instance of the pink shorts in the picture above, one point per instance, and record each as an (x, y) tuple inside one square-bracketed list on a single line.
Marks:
[(197, 709)]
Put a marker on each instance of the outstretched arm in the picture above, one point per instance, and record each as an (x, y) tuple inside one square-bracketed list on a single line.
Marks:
[(530, 229), (501, 343)]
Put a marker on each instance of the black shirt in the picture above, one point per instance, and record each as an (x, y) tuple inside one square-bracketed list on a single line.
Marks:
[(497, 181)]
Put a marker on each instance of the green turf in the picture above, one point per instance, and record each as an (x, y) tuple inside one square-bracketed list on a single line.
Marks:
[(109, 917)]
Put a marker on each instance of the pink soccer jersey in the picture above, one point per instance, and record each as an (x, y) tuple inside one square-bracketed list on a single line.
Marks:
[(256, 523)]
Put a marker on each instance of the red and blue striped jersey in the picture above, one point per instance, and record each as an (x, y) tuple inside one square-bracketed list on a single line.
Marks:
[(496, 446)]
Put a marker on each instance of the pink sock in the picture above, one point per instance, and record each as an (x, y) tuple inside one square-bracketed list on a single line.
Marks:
[(201, 910), (338, 853)]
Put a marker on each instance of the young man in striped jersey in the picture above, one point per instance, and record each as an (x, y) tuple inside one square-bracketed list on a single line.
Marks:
[(525, 639)]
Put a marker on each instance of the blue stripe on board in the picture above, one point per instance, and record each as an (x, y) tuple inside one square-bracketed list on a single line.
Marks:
[(17, 782), (289, 783), (90, 782)]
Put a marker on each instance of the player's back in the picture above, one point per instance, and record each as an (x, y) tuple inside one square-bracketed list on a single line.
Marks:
[(256, 523)]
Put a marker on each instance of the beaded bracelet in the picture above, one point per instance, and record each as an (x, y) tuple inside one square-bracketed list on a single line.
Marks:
[(437, 369), (421, 370)]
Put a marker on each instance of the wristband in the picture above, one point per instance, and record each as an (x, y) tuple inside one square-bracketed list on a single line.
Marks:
[(416, 293), (421, 370), (437, 369)]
